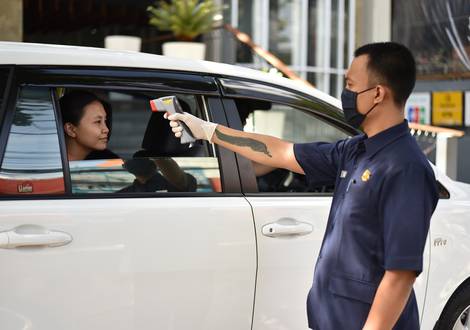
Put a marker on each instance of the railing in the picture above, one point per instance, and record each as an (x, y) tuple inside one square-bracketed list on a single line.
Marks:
[(266, 55), (418, 128), (440, 145)]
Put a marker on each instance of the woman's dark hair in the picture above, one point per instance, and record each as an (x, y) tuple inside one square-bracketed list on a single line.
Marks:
[(72, 104), (391, 64)]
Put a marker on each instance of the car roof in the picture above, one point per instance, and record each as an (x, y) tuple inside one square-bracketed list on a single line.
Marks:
[(21, 53)]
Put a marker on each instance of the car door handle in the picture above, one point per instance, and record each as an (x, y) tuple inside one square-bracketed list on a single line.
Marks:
[(30, 235), (287, 227)]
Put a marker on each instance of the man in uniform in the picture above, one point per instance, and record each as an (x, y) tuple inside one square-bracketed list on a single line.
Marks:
[(385, 194)]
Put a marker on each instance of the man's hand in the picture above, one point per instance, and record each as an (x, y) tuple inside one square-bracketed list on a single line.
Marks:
[(390, 299), (201, 129)]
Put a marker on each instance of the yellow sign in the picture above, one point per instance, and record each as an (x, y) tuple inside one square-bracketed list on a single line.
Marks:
[(447, 108)]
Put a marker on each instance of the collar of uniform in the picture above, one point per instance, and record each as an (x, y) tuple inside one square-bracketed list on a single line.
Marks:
[(380, 140)]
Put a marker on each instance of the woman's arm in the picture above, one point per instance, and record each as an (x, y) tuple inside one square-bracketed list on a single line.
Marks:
[(172, 172)]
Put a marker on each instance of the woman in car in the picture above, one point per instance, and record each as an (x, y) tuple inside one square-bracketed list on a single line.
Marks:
[(87, 125)]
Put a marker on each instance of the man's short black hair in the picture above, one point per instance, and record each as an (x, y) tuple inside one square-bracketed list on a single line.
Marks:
[(391, 64)]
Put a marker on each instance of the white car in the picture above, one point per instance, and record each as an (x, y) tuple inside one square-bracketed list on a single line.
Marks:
[(79, 251)]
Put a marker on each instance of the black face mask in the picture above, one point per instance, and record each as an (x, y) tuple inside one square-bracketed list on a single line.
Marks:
[(352, 116)]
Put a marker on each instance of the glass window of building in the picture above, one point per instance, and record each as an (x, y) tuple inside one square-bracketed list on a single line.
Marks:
[(315, 38)]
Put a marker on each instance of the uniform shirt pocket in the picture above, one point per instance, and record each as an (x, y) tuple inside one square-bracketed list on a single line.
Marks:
[(353, 289)]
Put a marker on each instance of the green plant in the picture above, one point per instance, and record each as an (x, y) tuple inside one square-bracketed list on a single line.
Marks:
[(187, 19)]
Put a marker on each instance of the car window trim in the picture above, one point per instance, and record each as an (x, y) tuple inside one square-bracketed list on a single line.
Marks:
[(62, 144), (203, 104), (288, 194), (6, 91), (244, 165), (229, 88), (115, 88), (135, 78), (226, 159), (7, 111), (120, 195)]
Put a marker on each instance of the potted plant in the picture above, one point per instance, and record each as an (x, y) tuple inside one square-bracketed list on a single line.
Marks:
[(187, 19)]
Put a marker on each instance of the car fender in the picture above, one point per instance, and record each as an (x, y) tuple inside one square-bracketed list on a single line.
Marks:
[(450, 249)]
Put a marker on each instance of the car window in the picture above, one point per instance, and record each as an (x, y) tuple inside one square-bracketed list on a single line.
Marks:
[(291, 124), (3, 84), (135, 152), (287, 123), (32, 163)]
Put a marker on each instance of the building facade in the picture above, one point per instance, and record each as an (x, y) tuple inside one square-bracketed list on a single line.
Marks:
[(438, 33), (315, 38)]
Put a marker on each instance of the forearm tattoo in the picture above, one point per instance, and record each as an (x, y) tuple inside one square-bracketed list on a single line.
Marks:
[(244, 142)]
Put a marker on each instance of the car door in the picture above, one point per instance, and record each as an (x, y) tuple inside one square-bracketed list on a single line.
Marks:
[(79, 254), (290, 217)]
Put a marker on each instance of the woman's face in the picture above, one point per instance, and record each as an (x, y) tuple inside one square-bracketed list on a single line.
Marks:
[(91, 132)]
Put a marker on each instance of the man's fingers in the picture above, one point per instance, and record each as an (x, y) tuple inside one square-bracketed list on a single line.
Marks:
[(174, 123), (176, 116)]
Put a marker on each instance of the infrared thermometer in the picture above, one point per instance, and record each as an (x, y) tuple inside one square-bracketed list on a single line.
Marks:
[(171, 105)]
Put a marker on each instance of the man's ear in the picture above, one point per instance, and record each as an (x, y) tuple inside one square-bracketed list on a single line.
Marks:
[(69, 130), (380, 92)]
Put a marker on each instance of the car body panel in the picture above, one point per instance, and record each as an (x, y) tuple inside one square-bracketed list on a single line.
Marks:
[(165, 263), (450, 248), (285, 263)]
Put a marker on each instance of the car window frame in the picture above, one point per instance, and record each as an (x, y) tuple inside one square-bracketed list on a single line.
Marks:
[(124, 79), (249, 89), (233, 89), (6, 116)]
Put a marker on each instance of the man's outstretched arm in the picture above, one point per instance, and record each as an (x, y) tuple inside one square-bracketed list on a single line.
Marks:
[(263, 149)]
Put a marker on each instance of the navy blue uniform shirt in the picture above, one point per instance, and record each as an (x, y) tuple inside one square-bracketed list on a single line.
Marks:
[(385, 194)]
